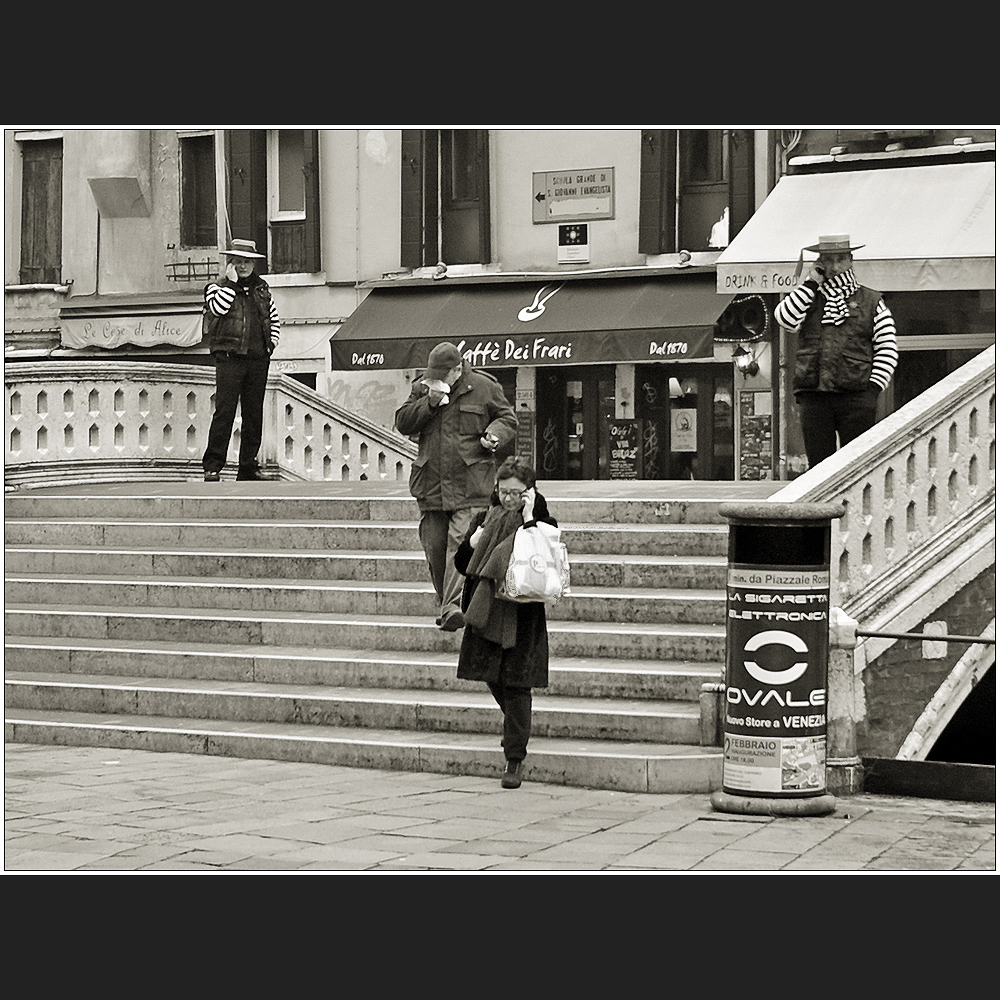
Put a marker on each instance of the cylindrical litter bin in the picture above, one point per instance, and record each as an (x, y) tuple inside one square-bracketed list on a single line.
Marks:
[(777, 646)]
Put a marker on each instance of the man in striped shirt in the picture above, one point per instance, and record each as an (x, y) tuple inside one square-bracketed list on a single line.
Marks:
[(243, 331), (846, 350)]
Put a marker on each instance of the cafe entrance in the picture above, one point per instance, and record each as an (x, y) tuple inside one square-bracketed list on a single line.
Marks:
[(686, 420), (574, 408)]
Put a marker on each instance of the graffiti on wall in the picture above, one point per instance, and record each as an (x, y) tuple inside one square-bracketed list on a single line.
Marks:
[(376, 399)]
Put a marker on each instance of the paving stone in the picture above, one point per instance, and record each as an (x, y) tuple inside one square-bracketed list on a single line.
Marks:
[(401, 821)]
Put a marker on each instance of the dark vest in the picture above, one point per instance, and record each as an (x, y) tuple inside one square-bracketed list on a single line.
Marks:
[(246, 328), (837, 358)]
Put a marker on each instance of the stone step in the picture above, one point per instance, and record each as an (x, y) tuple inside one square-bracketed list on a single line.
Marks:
[(623, 766), (584, 604), (589, 677), (588, 569), (321, 536), (420, 711), (701, 643), (288, 500)]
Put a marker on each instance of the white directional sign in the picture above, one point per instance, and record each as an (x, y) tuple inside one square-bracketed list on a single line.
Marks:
[(573, 195)]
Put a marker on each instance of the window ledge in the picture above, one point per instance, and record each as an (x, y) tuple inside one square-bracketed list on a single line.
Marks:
[(694, 258), (61, 289), (295, 280), (458, 270)]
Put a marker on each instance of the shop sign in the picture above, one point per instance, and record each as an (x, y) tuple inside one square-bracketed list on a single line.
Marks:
[(144, 331), (525, 349), (776, 665), (748, 278), (625, 454), (573, 195)]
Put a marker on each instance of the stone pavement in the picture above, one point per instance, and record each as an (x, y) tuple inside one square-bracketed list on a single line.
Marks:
[(105, 810)]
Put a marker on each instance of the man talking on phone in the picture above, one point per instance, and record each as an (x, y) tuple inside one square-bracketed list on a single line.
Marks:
[(846, 350), (246, 331)]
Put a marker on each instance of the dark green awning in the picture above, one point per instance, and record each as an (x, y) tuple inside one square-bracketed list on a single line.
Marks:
[(533, 323)]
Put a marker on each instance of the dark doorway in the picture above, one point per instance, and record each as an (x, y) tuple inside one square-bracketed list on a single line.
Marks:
[(575, 407), (687, 421)]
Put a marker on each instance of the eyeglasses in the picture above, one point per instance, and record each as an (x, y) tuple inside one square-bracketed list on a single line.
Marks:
[(506, 494)]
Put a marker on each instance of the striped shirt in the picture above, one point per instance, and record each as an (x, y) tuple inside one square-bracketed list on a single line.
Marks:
[(220, 299), (792, 309)]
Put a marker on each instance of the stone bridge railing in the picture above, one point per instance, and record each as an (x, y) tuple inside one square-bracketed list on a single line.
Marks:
[(920, 494), (914, 552), (87, 421)]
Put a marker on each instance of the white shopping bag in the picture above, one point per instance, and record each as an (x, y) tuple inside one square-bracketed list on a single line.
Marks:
[(539, 566)]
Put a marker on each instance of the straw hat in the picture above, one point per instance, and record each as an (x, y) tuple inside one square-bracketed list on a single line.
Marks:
[(242, 248), (839, 243)]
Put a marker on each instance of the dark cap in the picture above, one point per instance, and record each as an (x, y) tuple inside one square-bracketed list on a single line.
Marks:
[(442, 359)]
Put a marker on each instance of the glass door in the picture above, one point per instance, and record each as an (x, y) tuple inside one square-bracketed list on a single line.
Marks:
[(575, 407), (687, 421)]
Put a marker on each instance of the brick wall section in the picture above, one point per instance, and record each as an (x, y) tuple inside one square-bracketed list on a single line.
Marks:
[(899, 684)]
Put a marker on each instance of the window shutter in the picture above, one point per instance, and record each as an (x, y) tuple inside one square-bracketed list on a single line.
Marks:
[(741, 186), (246, 186), (41, 212), (310, 168), (483, 192), (411, 222), (657, 191)]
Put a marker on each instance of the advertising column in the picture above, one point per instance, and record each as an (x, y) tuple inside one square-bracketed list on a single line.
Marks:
[(777, 644)]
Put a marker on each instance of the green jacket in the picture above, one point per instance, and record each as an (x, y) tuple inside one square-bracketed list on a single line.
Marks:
[(452, 470)]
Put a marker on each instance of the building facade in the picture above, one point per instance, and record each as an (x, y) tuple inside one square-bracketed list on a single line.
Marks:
[(603, 276)]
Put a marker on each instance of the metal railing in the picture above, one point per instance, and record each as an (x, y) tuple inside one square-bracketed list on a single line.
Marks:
[(98, 421)]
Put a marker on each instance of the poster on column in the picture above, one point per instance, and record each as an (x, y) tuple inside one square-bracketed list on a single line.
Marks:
[(776, 664)]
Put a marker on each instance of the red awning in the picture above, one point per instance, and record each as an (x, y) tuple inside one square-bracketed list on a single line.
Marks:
[(533, 323)]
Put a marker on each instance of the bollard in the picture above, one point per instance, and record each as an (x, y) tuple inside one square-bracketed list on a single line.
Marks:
[(774, 724)]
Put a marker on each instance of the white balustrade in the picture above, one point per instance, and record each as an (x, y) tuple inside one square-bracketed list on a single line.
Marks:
[(93, 421), (916, 483)]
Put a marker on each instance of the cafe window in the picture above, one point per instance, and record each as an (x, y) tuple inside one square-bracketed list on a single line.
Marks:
[(41, 211), (687, 421), (199, 222)]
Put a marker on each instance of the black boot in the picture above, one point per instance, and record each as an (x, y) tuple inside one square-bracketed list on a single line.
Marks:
[(511, 775)]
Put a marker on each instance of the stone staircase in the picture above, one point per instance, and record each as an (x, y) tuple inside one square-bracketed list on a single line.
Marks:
[(296, 622)]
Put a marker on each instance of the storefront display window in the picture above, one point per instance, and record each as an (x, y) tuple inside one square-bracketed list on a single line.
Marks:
[(686, 414)]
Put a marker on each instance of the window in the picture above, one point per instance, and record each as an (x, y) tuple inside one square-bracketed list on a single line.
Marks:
[(444, 188), (695, 188), (199, 224), (287, 164), (703, 190), (293, 200), (41, 211)]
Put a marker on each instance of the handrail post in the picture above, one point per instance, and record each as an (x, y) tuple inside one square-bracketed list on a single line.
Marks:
[(844, 771)]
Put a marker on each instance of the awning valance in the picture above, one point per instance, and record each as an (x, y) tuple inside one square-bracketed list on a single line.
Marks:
[(532, 323), (924, 228)]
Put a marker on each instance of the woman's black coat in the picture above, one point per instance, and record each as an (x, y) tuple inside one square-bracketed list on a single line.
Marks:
[(526, 663)]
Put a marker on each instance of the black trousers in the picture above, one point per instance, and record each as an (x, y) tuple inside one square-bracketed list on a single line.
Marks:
[(241, 379), (827, 416), (515, 703)]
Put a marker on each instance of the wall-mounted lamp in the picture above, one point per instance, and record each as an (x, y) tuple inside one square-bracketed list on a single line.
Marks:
[(745, 361)]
